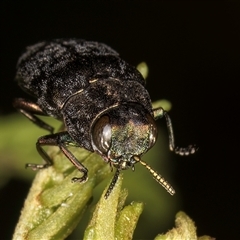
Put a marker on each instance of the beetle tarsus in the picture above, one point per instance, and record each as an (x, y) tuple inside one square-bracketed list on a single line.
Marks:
[(81, 179), (191, 149), (36, 167)]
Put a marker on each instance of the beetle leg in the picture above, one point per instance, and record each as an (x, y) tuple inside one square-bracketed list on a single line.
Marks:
[(61, 140), (29, 109), (191, 149)]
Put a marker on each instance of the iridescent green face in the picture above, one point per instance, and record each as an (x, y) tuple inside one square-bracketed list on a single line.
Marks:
[(124, 133)]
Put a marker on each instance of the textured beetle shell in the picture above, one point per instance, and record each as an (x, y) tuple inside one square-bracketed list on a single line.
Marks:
[(75, 80)]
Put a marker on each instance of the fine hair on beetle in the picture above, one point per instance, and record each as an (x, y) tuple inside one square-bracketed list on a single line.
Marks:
[(101, 100)]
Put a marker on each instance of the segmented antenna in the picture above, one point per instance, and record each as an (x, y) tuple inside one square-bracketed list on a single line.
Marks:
[(112, 184), (157, 176)]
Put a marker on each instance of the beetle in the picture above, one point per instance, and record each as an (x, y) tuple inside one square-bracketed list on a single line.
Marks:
[(101, 99)]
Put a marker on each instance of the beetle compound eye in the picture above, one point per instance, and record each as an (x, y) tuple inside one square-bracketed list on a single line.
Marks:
[(102, 134), (152, 131)]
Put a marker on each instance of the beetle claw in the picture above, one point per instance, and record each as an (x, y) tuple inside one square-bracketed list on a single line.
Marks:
[(81, 179)]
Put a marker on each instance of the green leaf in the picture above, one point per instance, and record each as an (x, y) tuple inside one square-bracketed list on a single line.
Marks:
[(110, 220), (143, 69), (127, 221), (185, 229), (55, 205)]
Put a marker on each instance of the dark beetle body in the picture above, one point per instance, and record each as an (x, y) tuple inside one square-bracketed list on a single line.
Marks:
[(101, 99), (75, 80)]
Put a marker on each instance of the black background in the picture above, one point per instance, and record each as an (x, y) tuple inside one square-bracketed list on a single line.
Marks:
[(192, 50)]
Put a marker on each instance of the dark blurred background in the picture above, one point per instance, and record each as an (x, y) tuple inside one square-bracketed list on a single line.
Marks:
[(192, 50)]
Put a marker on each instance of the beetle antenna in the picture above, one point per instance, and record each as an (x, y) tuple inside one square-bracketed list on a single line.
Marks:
[(112, 184), (157, 176)]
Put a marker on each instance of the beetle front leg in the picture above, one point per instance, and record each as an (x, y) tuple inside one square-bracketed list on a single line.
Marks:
[(61, 140), (191, 149), (29, 109), (76, 163)]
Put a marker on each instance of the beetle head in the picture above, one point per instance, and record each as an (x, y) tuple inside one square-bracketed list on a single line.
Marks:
[(123, 133)]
